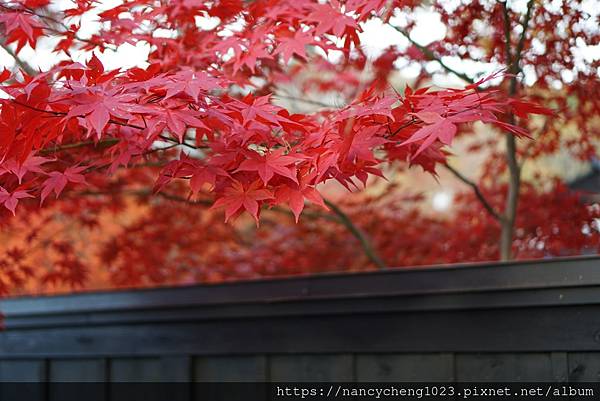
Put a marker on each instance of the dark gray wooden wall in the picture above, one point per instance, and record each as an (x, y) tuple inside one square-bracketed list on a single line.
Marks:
[(346, 367), (533, 321)]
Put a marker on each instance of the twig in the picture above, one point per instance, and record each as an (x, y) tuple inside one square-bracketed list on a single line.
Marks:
[(514, 183), (341, 217), (104, 142), (432, 56), (111, 121), (308, 101), (360, 236), (521, 44), (486, 204), (21, 63)]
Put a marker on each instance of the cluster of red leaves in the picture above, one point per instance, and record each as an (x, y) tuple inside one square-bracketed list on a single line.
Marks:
[(253, 152), (188, 121)]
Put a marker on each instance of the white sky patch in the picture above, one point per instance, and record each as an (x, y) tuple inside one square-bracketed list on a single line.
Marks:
[(429, 28), (126, 56), (586, 53), (441, 201), (410, 70), (207, 23), (375, 38)]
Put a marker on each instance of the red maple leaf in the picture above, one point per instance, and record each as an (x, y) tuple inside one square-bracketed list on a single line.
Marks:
[(240, 197), (296, 45), (436, 128), (270, 164), (21, 27), (31, 164), (330, 20), (10, 200), (99, 104), (57, 181), (205, 175), (295, 197)]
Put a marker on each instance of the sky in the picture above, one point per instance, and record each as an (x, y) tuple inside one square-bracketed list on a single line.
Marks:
[(376, 37)]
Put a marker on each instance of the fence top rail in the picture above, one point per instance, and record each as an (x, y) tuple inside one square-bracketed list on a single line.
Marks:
[(429, 280)]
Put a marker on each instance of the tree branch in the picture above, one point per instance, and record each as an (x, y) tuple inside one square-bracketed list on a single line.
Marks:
[(486, 204), (432, 56), (358, 234), (519, 52), (111, 121), (21, 63), (514, 183), (341, 217), (307, 101), (59, 148)]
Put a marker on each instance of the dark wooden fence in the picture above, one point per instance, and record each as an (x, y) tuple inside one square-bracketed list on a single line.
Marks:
[(530, 321)]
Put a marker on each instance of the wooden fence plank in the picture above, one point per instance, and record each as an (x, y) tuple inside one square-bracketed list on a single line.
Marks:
[(234, 368), (504, 367), (23, 380), (405, 367), (176, 368), (533, 321), (560, 366), (68, 377), (22, 370), (584, 366), (78, 370), (364, 304), (311, 368), (230, 369), (65, 374), (125, 373), (135, 369)]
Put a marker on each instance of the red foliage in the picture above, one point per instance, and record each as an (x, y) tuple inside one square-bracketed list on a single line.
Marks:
[(199, 125)]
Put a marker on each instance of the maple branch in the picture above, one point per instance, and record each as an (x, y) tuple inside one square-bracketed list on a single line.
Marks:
[(59, 148), (508, 218), (357, 233), (308, 101), (61, 113), (486, 204), (203, 202), (507, 39), (342, 217), (432, 56), (206, 202), (21, 63), (111, 121), (184, 143), (514, 183), (525, 25), (177, 198), (146, 193), (412, 121)]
